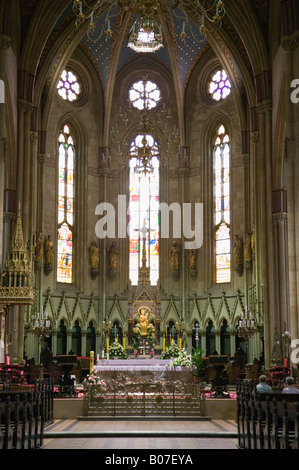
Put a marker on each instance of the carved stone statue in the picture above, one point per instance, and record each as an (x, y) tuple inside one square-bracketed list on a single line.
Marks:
[(192, 255), (174, 257), (144, 321), (113, 256), (49, 251), (238, 255), (94, 253), (39, 248), (248, 251), (253, 243)]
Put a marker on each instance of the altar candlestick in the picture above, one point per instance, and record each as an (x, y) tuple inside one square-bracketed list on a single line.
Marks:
[(124, 342), (164, 343), (107, 344), (180, 343), (91, 361)]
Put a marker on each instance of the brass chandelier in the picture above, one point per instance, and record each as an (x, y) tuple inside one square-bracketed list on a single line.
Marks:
[(149, 16)]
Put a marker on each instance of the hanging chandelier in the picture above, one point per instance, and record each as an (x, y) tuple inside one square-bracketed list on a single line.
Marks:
[(149, 19)]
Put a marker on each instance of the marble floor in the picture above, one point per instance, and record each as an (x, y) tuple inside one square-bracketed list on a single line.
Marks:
[(134, 434)]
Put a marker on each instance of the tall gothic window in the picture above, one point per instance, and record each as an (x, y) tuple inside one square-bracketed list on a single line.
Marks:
[(66, 158), (222, 206), (144, 212)]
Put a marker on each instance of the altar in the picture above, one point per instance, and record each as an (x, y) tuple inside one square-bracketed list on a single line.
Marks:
[(144, 387), (121, 373)]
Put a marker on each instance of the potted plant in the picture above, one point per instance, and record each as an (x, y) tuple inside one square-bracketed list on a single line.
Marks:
[(197, 362)]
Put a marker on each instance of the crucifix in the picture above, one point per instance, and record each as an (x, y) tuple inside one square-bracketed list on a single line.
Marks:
[(144, 231)]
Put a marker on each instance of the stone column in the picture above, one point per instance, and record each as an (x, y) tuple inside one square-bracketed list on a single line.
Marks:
[(290, 44), (83, 344), (233, 334), (203, 335), (5, 42), (280, 229), (265, 200), (218, 340)]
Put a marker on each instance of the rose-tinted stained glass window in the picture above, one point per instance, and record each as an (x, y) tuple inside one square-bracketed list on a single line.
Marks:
[(68, 86), (66, 157), (222, 207), (144, 212), (220, 86)]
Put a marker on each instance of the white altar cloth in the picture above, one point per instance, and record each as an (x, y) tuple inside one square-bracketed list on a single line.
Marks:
[(132, 365)]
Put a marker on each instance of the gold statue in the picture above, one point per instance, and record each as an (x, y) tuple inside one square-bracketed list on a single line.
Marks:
[(144, 321), (174, 257), (247, 249), (113, 256), (49, 249), (94, 252), (39, 248)]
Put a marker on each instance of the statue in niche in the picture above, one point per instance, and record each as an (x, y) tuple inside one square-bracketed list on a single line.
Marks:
[(192, 255), (174, 259), (248, 251), (39, 248), (49, 252), (113, 258), (253, 243), (238, 255), (143, 318), (94, 253)]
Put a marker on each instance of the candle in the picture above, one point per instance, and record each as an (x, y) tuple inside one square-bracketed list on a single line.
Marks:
[(180, 343), (103, 353), (107, 344), (98, 357), (124, 342), (164, 341), (91, 361)]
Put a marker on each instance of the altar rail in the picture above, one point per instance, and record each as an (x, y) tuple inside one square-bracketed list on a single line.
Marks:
[(23, 416), (267, 421), (147, 400)]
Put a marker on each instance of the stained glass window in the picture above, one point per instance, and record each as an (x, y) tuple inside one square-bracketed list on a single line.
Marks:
[(144, 94), (144, 212), (220, 86), (68, 86), (66, 156), (222, 205)]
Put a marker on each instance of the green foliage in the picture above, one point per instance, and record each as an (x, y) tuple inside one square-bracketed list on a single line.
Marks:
[(171, 351), (197, 360)]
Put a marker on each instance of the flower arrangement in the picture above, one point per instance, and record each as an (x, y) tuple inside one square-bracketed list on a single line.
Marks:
[(117, 350), (93, 386), (171, 351), (183, 359)]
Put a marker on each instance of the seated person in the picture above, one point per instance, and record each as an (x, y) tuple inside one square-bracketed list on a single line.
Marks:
[(289, 388), (262, 387)]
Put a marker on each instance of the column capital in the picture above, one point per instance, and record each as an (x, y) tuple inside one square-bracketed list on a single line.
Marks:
[(264, 107), (290, 43), (255, 137), (5, 42)]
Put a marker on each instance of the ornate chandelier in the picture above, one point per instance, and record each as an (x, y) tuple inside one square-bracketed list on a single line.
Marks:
[(146, 33), (247, 326)]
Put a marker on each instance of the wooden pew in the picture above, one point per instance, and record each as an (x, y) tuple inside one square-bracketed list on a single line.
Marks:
[(267, 421), (23, 417)]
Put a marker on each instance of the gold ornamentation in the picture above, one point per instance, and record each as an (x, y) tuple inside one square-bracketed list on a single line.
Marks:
[(16, 287)]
